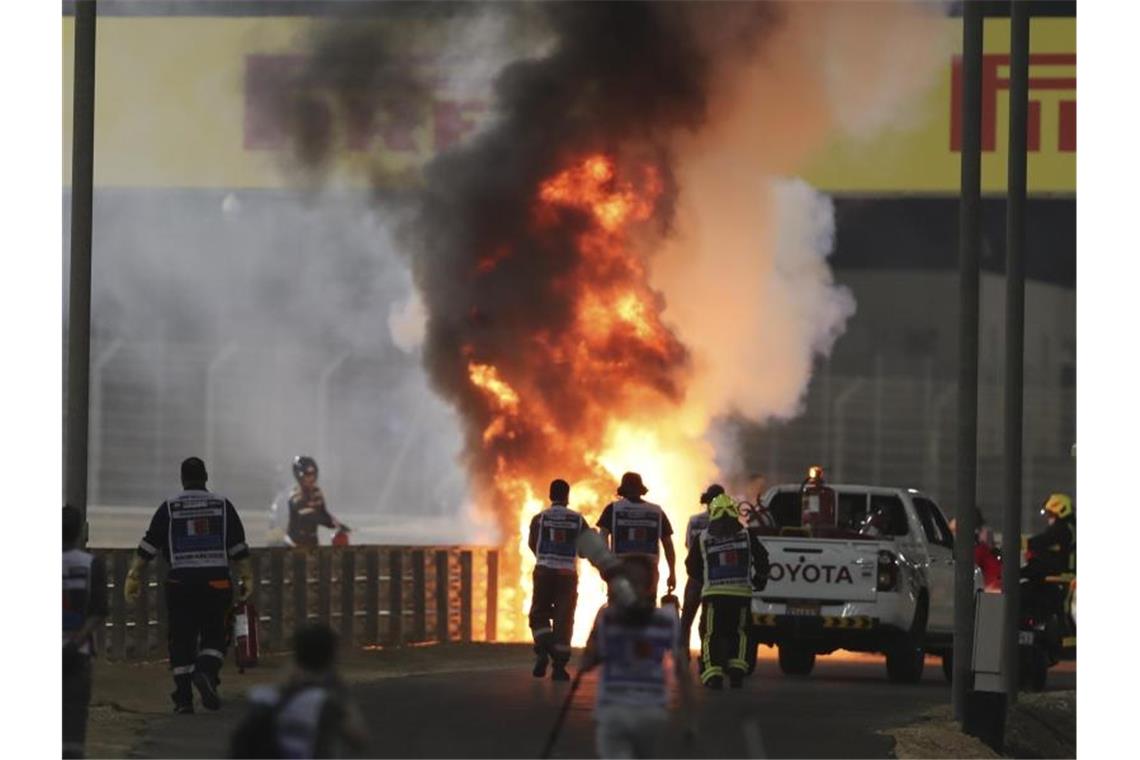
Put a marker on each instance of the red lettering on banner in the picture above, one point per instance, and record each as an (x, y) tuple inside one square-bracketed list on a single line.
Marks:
[(993, 83), (1067, 135)]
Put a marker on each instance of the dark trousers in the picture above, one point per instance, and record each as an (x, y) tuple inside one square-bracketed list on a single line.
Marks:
[(76, 697), (725, 637), (552, 612), (197, 631)]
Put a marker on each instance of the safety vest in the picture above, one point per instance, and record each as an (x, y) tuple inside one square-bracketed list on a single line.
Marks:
[(636, 528), (558, 530), (633, 658), (697, 523), (77, 594), (728, 564), (197, 531)]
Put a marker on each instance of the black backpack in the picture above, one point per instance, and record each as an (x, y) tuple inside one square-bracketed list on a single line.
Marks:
[(255, 736)]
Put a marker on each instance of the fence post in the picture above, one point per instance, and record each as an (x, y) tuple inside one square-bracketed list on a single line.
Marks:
[(442, 592), (142, 615), (324, 585), (372, 595), (119, 605), (255, 578), (277, 600), (396, 597), (492, 594), (101, 631), (300, 588), (465, 595), (419, 596), (347, 596), (163, 613)]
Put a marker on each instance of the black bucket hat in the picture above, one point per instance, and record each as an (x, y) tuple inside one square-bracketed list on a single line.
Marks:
[(631, 485)]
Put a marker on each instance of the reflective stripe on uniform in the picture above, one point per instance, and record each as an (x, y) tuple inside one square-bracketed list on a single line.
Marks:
[(739, 661), (708, 673), (238, 548), (211, 653), (182, 670), (706, 642), (147, 548)]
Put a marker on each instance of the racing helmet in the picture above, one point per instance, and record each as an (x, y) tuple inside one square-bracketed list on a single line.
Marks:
[(304, 465), (1059, 505), (722, 506)]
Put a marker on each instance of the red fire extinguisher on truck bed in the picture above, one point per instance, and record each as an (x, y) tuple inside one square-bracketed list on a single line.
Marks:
[(817, 501), (245, 635)]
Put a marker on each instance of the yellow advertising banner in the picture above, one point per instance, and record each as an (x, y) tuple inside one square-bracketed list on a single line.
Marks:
[(184, 102)]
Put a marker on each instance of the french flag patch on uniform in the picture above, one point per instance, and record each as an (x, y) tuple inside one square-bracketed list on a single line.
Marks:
[(557, 535), (729, 558), (199, 526), (638, 534)]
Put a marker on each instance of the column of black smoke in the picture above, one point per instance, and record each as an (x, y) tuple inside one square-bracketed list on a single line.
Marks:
[(620, 78)]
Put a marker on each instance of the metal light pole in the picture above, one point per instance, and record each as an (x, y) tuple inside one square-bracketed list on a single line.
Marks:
[(79, 285), (1014, 333), (969, 245)]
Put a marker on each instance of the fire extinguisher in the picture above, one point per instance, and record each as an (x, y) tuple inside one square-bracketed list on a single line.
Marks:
[(245, 637), (817, 500), (340, 538)]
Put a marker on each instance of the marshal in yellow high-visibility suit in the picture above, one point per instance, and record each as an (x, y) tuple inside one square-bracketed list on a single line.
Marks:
[(731, 560)]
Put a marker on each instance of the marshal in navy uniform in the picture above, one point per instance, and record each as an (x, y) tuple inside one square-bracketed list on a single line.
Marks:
[(635, 527), (84, 609), (553, 537), (198, 533)]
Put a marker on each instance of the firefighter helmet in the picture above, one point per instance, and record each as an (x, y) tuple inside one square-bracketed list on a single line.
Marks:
[(722, 506), (1059, 505), (303, 465)]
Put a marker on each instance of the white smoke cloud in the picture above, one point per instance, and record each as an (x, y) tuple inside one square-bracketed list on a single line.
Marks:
[(407, 322), (746, 279)]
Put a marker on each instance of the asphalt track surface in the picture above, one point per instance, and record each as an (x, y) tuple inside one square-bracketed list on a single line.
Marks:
[(835, 712)]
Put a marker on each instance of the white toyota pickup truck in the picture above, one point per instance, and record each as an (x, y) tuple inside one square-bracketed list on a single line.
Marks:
[(887, 586)]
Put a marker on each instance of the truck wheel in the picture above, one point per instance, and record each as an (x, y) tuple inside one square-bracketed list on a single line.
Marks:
[(796, 660), (906, 656)]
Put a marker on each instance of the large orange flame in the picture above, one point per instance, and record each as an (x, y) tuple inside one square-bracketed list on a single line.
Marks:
[(626, 371)]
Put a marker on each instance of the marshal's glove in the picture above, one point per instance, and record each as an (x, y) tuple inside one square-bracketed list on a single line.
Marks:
[(132, 587), (245, 579)]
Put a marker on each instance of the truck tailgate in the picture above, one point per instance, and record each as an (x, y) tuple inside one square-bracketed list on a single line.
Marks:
[(821, 569)]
